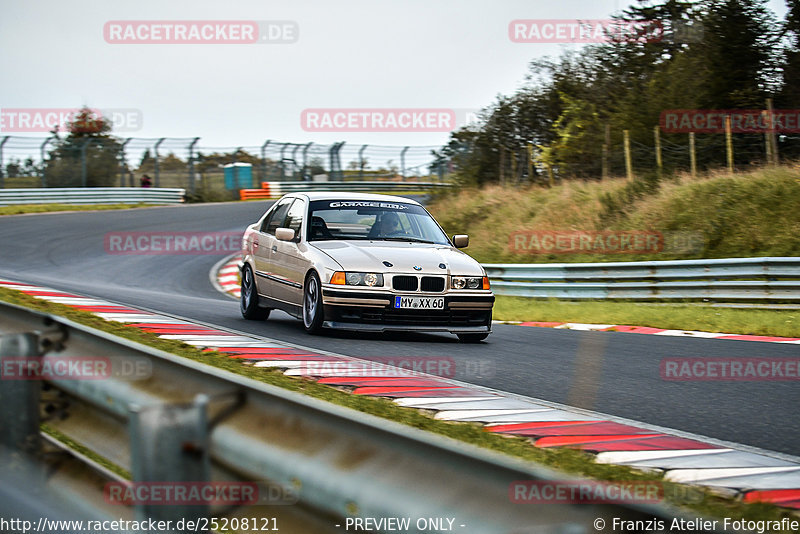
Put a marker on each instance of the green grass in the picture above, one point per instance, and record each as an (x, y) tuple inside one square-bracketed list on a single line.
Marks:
[(47, 208), (748, 214), (782, 323), (570, 461)]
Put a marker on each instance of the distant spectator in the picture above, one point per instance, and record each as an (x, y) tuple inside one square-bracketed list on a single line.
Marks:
[(146, 181)]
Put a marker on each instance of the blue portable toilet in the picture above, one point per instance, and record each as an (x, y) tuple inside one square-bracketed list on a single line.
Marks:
[(238, 175)]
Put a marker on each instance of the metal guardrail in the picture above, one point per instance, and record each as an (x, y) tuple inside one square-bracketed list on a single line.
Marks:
[(187, 421), (768, 279), (91, 195)]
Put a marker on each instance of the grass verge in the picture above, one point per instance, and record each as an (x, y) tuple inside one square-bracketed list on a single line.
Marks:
[(574, 462), (782, 323), (47, 208)]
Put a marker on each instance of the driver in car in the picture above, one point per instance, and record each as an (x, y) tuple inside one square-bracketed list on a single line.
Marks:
[(389, 225)]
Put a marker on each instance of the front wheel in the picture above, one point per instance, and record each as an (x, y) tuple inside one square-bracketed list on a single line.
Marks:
[(248, 302), (472, 338), (312, 304)]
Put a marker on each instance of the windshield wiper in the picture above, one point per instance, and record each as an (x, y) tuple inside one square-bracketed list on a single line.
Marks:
[(413, 239)]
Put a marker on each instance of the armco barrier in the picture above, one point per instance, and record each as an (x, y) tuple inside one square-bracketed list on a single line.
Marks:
[(278, 189), (763, 279), (191, 422), (92, 195)]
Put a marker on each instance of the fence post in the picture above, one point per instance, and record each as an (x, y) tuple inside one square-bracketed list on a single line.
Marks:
[(604, 172), (264, 162), (305, 161), (191, 165), (530, 162), (361, 162), (729, 143), (692, 155), (2, 182), (84, 170), (772, 141), (122, 164), (283, 169), (657, 134), (403, 163), (502, 157), (41, 151), (514, 166), (158, 176), (628, 162)]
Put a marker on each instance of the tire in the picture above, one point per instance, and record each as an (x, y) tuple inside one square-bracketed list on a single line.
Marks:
[(472, 338), (248, 302), (313, 314)]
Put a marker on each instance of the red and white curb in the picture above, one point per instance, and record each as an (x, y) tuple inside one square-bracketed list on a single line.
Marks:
[(660, 331), (225, 276), (752, 474)]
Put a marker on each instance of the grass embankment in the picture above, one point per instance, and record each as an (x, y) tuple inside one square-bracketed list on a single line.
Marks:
[(741, 215), (47, 208), (571, 461), (713, 216)]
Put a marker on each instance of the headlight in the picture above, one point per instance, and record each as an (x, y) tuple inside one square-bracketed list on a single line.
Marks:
[(469, 282), (357, 279)]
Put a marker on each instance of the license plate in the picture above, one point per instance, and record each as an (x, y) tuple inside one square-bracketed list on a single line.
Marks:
[(419, 303)]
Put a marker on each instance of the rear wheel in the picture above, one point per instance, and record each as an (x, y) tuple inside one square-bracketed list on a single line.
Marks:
[(248, 302), (312, 304), (472, 338)]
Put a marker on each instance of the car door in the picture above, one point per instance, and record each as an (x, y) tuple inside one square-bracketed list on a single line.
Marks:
[(287, 258), (263, 245)]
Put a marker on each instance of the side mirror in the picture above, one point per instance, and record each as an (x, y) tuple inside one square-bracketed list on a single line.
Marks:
[(284, 234), (461, 240)]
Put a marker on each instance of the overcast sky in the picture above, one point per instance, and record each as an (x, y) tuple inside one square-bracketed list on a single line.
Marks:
[(439, 54)]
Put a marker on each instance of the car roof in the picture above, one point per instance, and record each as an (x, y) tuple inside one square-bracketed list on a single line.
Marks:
[(347, 195)]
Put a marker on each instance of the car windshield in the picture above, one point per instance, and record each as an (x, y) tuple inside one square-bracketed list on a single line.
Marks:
[(373, 220)]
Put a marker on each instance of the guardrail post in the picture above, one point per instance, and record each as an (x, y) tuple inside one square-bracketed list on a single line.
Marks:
[(169, 445), (19, 418)]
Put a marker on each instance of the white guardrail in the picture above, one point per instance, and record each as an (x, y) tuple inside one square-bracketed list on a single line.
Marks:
[(186, 421), (762, 279), (92, 195)]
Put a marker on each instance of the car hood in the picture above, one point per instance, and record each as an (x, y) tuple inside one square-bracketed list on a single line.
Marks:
[(368, 256)]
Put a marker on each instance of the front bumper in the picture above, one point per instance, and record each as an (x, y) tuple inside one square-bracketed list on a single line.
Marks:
[(372, 311)]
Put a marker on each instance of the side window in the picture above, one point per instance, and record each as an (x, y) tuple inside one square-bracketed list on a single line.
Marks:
[(294, 218), (275, 220)]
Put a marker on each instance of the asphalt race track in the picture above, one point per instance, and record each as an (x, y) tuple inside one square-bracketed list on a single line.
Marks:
[(612, 373)]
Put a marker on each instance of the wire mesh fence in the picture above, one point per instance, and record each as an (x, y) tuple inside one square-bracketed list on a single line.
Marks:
[(201, 169)]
